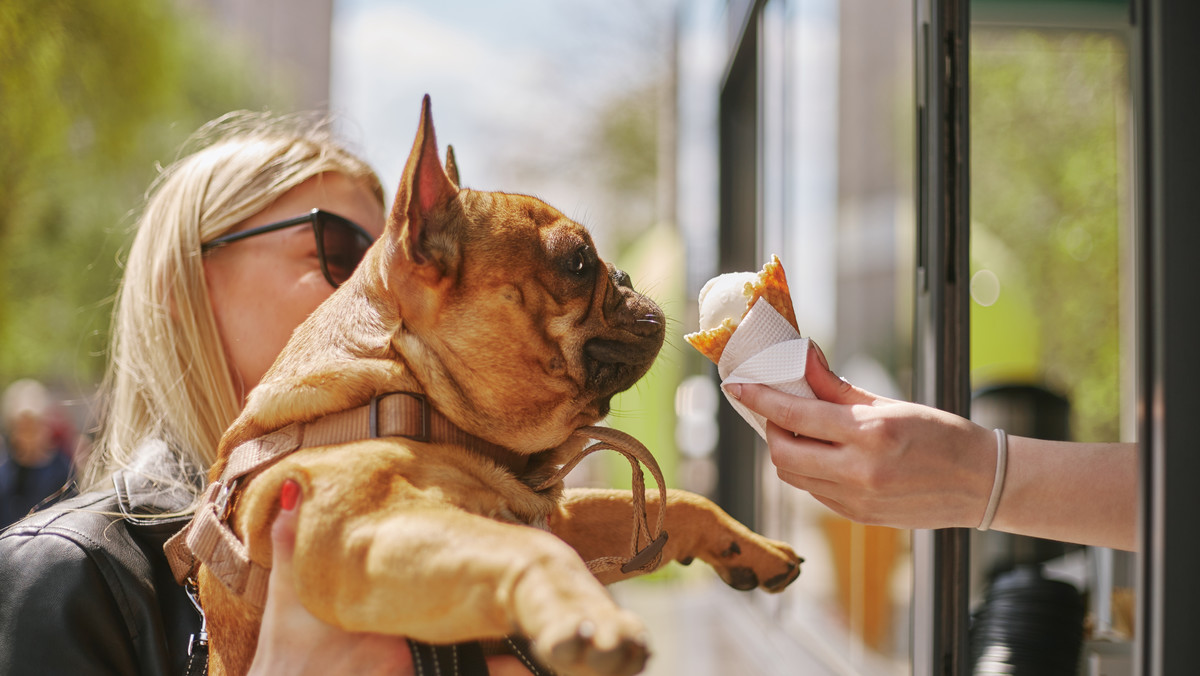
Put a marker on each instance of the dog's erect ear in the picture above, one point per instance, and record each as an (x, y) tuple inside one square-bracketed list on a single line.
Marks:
[(452, 166), (423, 188)]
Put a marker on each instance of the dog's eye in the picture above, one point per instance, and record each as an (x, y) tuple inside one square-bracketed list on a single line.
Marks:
[(579, 262)]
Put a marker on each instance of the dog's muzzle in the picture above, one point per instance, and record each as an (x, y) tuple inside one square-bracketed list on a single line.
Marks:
[(636, 330)]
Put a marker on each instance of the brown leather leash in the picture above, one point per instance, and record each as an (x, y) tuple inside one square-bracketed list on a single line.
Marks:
[(609, 439), (208, 538)]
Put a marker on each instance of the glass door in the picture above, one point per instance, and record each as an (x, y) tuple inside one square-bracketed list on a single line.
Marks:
[(1025, 299), (1052, 305)]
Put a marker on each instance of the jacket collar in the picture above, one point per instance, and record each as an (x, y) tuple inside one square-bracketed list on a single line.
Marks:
[(150, 490)]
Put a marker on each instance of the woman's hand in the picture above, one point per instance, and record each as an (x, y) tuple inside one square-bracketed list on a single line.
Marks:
[(876, 460), (293, 641), (880, 461)]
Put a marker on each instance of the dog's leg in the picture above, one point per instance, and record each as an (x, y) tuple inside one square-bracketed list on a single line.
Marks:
[(598, 523), (391, 559)]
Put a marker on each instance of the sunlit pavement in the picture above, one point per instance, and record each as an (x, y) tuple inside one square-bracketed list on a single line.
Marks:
[(700, 627)]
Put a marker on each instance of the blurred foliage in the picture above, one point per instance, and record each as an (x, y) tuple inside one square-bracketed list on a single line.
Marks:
[(647, 410), (623, 160), (625, 156), (95, 94), (1048, 139)]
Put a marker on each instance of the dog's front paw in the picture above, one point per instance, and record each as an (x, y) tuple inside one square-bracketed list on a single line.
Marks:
[(747, 562), (612, 646)]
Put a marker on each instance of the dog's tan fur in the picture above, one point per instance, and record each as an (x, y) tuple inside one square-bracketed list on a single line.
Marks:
[(496, 307)]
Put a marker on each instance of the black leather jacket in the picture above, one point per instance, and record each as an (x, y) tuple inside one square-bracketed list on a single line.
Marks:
[(86, 589)]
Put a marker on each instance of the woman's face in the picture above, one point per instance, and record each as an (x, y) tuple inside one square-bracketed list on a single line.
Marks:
[(263, 287)]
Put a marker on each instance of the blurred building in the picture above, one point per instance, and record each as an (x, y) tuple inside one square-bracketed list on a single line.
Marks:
[(795, 123), (286, 45)]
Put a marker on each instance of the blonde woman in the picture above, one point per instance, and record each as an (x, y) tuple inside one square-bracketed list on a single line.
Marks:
[(238, 242)]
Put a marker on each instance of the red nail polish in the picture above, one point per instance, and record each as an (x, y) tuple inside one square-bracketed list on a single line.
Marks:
[(289, 495)]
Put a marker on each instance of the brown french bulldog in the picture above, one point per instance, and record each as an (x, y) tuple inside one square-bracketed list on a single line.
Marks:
[(496, 310)]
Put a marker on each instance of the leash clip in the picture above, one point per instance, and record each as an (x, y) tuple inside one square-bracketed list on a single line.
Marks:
[(199, 640)]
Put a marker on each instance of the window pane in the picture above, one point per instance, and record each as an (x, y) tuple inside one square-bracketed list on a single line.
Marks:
[(1051, 269), (836, 189)]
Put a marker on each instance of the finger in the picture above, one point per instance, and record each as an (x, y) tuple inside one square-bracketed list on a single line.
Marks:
[(807, 417), (283, 545), (283, 532), (368, 654), (805, 482), (803, 456), (822, 491), (827, 385), (833, 505)]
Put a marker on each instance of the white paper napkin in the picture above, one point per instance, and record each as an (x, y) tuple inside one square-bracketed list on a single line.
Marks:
[(764, 350)]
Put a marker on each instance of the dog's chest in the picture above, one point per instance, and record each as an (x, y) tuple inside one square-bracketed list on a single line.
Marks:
[(506, 515), (476, 485)]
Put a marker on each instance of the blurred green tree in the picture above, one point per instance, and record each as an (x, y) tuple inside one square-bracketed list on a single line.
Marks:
[(1049, 139), (95, 94)]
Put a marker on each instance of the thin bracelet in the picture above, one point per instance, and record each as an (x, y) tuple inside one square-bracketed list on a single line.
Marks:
[(998, 482)]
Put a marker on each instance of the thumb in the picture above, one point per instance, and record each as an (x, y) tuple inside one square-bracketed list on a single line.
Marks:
[(283, 532), (827, 385)]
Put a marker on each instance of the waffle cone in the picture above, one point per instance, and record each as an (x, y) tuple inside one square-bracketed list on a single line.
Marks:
[(771, 285)]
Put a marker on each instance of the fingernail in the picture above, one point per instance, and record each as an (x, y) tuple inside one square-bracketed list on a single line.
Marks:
[(821, 356), (734, 390), (289, 495)]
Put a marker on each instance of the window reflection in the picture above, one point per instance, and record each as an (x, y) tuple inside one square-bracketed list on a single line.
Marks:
[(1050, 313)]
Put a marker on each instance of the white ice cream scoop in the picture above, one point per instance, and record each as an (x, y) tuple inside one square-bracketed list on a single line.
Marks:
[(724, 297)]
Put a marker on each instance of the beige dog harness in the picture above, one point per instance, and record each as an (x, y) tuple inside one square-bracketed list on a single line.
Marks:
[(208, 539)]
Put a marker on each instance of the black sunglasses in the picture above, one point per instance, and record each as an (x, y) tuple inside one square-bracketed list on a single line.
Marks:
[(341, 243)]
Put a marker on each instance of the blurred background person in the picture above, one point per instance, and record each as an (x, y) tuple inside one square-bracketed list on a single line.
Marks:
[(33, 465)]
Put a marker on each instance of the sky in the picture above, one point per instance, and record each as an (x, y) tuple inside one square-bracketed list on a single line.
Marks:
[(513, 84)]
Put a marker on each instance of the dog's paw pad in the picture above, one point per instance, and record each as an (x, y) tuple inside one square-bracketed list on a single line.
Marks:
[(742, 579), (757, 562), (785, 578), (605, 649)]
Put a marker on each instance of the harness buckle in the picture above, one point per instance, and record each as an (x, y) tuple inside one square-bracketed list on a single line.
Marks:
[(373, 416), (221, 503)]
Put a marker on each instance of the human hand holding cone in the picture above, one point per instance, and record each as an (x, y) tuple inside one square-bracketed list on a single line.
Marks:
[(752, 342)]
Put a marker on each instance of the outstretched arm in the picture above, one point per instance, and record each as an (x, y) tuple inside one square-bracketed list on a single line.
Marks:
[(881, 461)]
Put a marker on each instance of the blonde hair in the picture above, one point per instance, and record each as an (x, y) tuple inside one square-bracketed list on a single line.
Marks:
[(167, 375)]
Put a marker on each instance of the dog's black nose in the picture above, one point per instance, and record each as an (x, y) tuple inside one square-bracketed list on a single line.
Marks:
[(621, 278)]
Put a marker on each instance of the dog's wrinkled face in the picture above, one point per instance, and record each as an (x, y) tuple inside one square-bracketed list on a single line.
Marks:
[(515, 327)]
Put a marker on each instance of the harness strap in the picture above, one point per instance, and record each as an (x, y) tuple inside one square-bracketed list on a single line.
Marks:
[(209, 539), (212, 542)]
